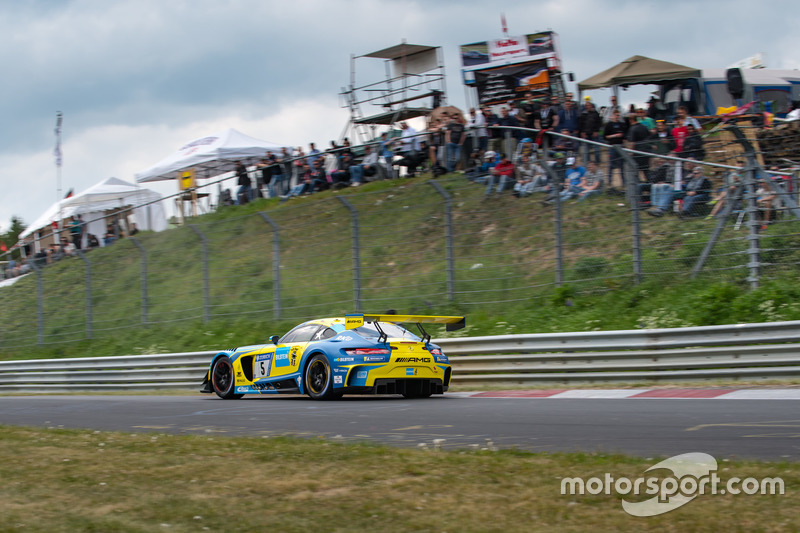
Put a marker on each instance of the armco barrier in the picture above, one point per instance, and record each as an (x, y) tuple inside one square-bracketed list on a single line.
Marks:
[(744, 351)]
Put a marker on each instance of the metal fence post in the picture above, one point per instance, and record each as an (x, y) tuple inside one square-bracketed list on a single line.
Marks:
[(555, 191), (206, 297), (448, 222), (356, 252), (39, 302), (88, 292), (630, 174), (276, 263), (138, 245)]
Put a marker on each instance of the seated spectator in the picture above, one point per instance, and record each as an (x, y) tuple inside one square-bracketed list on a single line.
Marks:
[(531, 178), (696, 193), (502, 172), (592, 182), (304, 186), (67, 248), (369, 167), (658, 187), (731, 182), (318, 176), (341, 177), (663, 141), (474, 162), (526, 147), (91, 241), (765, 200), (574, 176), (110, 235)]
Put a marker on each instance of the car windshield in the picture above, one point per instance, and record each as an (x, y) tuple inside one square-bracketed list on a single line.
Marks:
[(393, 331)]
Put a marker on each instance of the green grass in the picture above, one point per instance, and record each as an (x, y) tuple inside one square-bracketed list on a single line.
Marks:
[(69, 480), (504, 263)]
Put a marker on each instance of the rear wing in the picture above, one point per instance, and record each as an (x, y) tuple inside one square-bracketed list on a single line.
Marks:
[(452, 323)]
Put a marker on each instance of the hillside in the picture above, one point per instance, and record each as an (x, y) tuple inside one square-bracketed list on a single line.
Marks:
[(504, 273)]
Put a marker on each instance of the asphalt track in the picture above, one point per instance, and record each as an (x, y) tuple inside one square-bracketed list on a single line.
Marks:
[(760, 429)]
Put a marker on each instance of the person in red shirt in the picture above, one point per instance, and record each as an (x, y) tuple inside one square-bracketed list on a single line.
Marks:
[(679, 133), (503, 172)]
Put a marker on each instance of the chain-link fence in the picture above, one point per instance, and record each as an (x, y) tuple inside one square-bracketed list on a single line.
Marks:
[(420, 246)]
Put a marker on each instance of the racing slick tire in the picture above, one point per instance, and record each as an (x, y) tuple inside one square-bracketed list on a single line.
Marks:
[(319, 380), (222, 380)]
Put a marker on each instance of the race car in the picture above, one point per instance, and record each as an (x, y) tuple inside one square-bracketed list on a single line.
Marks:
[(328, 357)]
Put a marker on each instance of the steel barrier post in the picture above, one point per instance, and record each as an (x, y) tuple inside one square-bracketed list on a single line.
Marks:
[(143, 252), (448, 221), (88, 292), (555, 190), (276, 263), (206, 297), (356, 252), (630, 173), (39, 302)]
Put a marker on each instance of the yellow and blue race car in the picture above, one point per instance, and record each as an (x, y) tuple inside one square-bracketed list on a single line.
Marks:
[(328, 357)]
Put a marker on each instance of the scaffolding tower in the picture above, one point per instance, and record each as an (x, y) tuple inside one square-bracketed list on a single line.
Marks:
[(413, 73)]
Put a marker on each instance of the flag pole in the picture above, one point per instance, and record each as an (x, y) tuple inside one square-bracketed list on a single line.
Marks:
[(57, 154)]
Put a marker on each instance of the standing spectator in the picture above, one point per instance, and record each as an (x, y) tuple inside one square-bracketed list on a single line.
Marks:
[(436, 140), (589, 127), (608, 112), (637, 138), (547, 120), (477, 124), (410, 146), (663, 142), (495, 135), (278, 181), (679, 134), (568, 118), (244, 194), (614, 133), (529, 107), (648, 122), (76, 227), (683, 112), (454, 138), (313, 154), (693, 144), (503, 172), (508, 134), (263, 177)]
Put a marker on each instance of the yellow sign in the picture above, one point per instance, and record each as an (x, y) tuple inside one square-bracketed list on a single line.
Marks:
[(187, 180)]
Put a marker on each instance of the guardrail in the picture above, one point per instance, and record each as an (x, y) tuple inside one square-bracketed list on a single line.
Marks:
[(751, 351)]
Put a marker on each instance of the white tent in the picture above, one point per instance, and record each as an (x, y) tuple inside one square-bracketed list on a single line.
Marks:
[(211, 156), (93, 203)]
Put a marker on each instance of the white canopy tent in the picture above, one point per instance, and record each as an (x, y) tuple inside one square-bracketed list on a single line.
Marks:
[(211, 156), (93, 203)]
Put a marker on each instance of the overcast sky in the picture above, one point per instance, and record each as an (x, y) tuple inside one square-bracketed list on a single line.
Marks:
[(137, 79)]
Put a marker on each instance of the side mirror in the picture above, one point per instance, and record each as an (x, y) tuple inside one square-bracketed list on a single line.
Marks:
[(274, 339)]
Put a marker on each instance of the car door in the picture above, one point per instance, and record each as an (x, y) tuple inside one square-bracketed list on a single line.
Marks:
[(290, 349)]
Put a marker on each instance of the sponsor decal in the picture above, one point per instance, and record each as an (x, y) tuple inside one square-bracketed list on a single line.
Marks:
[(262, 364), (337, 380), (441, 359), (238, 374), (343, 338), (413, 360), (344, 360), (264, 356), (378, 358), (242, 389), (282, 356), (411, 371), (361, 374), (342, 370), (293, 355)]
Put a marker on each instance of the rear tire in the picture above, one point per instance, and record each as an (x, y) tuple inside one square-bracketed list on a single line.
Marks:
[(319, 379), (222, 380)]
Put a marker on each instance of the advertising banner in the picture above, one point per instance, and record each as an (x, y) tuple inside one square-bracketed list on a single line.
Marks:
[(507, 51), (501, 84)]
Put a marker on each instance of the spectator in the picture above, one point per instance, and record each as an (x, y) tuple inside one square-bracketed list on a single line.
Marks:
[(313, 154), (608, 111), (474, 162), (477, 124), (245, 192), (614, 133), (67, 248), (508, 135), (589, 125), (574, 175), (134, 230), (693, 144), (318, 176), (263, 177), (110, 236), (278, 180), (638, 138), (592, 182), (662, 140), (410, 147), (304, 186), (436, 139), (528, 108), (531, 178), (525, 148), (387, 153), (76, 228), (765, 199), (369, 167), (732, 181), (696, 193), (503, 172), (683, 113), (568, 118), (91, 241), (547, 120), (649, 123), (679, 134), (565, 144), (454, 138), (659, 188), (341, 177), (559, 166)]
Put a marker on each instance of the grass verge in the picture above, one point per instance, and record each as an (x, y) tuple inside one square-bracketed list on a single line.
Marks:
[(69, 480)]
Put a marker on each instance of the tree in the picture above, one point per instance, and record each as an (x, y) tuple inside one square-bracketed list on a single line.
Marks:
[(10, 237)]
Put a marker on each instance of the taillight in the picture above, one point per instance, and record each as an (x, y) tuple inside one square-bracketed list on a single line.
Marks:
[(367, 351)]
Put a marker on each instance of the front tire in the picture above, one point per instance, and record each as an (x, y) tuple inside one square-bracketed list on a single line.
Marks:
[(319, 379), (222, 380)]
